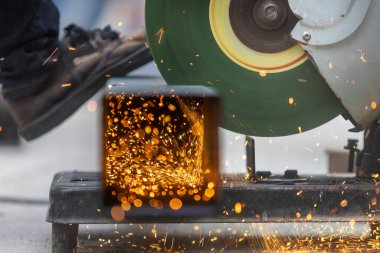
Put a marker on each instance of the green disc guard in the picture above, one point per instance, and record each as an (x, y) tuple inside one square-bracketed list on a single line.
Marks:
[(186, 52)]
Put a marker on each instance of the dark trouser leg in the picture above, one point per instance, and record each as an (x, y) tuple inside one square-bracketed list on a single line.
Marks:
[(28, 35), (64, 238)]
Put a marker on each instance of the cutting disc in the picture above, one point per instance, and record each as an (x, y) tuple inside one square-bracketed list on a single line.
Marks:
[(242, 48)]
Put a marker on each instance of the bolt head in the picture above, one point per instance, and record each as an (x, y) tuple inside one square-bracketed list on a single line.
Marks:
[(306, 36), (271, 12)]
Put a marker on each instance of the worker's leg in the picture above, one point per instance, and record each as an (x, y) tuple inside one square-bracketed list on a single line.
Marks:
[(43, 88), (28, 35)]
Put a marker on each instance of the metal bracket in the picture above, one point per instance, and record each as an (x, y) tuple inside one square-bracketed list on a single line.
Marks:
[(327, 22)]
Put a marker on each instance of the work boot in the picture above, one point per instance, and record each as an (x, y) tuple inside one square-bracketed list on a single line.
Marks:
[(85, 60)]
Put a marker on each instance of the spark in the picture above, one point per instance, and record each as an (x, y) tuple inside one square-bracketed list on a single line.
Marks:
[(362, 56), (300, 80), (154, 151), (117, 213), (373, 105), (92, 105), (138, 203), (344, 203), (263, 73), (175, 204), (51, 55), (66, 85), (308, 149), (160, 34), (238, 207), (126, 206), (301, 237)]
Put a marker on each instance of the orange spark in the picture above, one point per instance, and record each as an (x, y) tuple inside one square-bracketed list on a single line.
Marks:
[(51, 55)]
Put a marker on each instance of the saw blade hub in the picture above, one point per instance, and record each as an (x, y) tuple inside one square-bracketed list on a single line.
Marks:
[(263, 25), (269, 14)]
